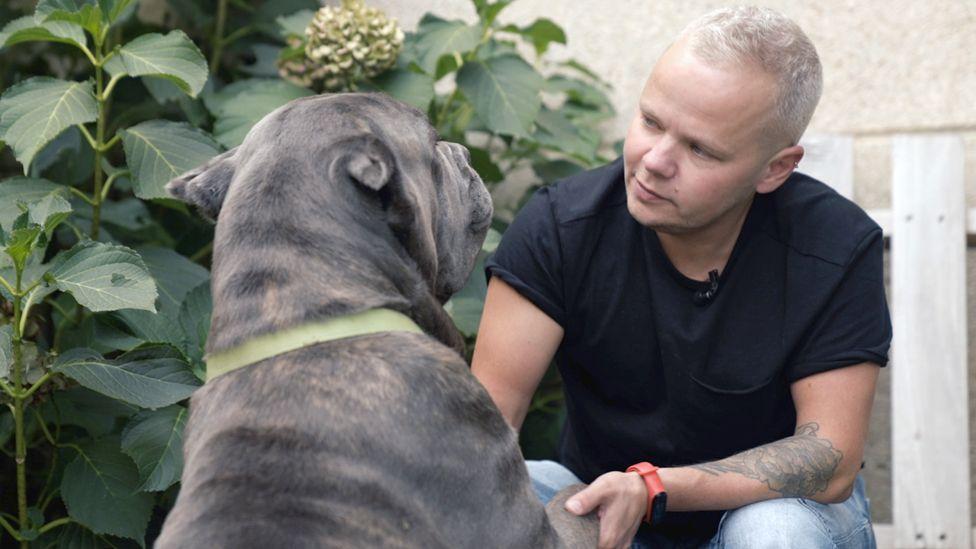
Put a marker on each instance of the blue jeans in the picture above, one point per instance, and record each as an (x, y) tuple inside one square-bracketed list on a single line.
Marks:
[(775, 523)]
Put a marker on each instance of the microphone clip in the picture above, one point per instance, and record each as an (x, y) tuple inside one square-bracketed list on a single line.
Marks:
[(706, 295)]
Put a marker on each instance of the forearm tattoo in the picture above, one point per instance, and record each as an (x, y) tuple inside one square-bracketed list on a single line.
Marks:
[(797, 467)]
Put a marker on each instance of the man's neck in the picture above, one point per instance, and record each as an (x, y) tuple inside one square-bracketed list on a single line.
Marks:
[(696, 253)]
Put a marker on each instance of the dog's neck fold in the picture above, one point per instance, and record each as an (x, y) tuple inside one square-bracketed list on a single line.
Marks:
[(269, 275)]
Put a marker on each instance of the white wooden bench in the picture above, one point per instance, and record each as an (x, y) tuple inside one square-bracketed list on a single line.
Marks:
[(928, 226)]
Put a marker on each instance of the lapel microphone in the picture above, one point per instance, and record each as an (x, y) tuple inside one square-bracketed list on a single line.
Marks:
[(706, 295)]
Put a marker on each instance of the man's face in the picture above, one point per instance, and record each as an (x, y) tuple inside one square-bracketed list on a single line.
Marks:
[(694, 154)]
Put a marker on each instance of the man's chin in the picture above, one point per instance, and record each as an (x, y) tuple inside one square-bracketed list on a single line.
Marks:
[(650, 219)]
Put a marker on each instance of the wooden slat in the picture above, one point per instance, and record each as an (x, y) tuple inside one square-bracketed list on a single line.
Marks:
[(883, 218), (884, 534), (830, 158), (930, 437)]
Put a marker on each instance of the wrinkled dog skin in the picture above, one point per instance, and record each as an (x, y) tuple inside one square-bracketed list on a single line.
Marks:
[(334, 205)]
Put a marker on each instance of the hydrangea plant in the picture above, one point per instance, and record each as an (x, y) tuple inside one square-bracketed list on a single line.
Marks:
[(342, 46)]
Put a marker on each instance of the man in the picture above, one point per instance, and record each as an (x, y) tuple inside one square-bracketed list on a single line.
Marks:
[(711, 311)]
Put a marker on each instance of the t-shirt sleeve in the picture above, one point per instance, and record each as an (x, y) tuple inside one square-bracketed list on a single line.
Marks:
[(855, 325), (529, 258)]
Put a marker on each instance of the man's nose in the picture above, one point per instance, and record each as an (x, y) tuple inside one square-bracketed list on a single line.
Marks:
[(659, 159)]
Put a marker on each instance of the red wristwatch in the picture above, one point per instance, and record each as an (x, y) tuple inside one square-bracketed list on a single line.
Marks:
[(657, 498)]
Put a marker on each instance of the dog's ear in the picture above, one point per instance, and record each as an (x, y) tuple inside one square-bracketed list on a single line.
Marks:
[(206, 186), (364, 159)]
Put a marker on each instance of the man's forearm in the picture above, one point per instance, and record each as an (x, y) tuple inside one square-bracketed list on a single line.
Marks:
[(803, 465)]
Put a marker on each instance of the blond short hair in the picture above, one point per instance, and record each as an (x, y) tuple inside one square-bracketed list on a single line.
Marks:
[(775, 43)]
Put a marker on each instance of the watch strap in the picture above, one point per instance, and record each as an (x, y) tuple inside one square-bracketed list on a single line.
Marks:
[(656, 494)]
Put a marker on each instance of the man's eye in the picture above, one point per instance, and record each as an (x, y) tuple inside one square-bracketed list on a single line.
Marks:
[(651, 123), (698, 151)]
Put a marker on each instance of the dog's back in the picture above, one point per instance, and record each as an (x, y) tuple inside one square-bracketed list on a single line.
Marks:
[(376, 441)]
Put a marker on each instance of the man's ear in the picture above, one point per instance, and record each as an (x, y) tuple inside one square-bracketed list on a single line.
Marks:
[(779, 168), (364, 159), (206, 186)]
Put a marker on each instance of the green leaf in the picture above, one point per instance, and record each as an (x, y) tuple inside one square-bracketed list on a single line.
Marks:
[(578, 91), (71, 536), (98, 333), (543, 32), (150, 377), (504, 91), (438, 37), (497, 48), (6, 350), (242, 104), (489, 12), (407, 86), (195, 312), (20, 244), (112, 10), (67, 159), (35, 111), (163, 91), (27, 29), (50, 211), (154, 440), (584, 70), (553, 170), (172, 56), (554, 131), (84, 13), (86, 409), (21, 191), (466, 306), (158, 151), (100, 489), (176, 276), (482, 163), (492, 240), (295, 23), (104, 277)]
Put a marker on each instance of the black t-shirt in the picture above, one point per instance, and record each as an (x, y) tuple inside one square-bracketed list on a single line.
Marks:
[(651, 375)]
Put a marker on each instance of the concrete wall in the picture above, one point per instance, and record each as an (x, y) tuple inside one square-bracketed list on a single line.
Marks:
[(889, 67)]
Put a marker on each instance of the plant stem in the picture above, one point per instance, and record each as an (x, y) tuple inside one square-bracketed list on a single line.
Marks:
[(20, 446), (237, 35), (40, 383), (10, 529), (99, 143), (7, 285), (202, 252), (218, 38), (111, 179), (82, 195), (54, 524)]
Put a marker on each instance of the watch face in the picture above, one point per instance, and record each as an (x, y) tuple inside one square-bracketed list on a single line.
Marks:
[(659, 507)]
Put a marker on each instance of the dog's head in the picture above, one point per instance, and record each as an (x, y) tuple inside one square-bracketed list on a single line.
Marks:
[(349, 167)]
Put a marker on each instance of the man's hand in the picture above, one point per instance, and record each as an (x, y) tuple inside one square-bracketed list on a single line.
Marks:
[(621, 503)]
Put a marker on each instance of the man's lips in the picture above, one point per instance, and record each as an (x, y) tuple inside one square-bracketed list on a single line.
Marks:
[(647, 194)]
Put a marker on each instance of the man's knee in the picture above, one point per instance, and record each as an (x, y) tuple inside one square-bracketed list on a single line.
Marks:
[(548, 478), (774, 523)]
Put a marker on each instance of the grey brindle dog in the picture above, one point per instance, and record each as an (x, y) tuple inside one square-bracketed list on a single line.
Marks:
[(334, 205)]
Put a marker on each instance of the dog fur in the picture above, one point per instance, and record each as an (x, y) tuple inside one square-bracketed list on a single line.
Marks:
[(334, 205)]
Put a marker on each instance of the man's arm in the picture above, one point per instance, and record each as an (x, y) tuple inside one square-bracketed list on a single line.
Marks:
[(819, 462), (516, 343)]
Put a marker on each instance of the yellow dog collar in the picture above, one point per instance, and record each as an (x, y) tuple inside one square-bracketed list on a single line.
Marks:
[(268, 345)]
